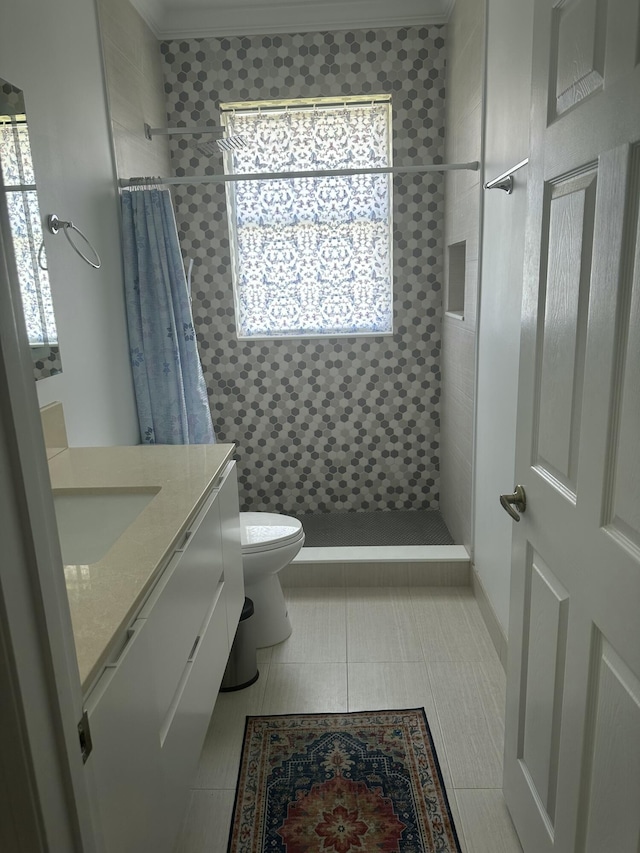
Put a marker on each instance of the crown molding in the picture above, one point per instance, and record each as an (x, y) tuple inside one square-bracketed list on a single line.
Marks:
[(151, 11), (247, 17), (448, 9)]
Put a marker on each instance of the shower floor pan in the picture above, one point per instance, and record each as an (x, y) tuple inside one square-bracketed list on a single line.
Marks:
[(394, 548), (398, 527)]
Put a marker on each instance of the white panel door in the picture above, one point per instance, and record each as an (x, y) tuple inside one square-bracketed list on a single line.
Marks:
[(572, 748)]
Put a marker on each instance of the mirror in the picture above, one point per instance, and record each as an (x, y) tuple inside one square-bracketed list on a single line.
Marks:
[(19, 195)]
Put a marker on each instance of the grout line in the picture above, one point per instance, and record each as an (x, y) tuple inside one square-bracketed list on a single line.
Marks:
[(346, 675), (346, 643), (460, 824), (263, 692), (442, 737), (346, 633), (483, 705), (419, 632), (460, 788), (232, 790), (451, 794)]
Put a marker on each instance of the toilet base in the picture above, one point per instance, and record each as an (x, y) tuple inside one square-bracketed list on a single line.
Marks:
[(271, 621)]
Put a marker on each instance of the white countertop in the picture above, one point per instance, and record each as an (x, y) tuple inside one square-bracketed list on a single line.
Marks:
[(105, 596)]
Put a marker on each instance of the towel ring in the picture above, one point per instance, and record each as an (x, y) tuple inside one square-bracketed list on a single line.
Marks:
[(40, 264), (54, 224)]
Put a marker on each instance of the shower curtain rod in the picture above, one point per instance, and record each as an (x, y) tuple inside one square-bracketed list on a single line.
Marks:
[(319, 173)]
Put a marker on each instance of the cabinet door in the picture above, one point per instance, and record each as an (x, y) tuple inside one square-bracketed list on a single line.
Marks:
[(178, 605), (125, 761), (184, 728), (231, 548)]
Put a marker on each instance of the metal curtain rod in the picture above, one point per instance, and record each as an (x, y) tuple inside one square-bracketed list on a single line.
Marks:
[(150, 132), (296, 104), (472, 166)]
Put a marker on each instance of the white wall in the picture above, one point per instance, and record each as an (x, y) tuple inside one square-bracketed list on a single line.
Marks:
[(510, 24), (135, 87), (465, 58), (51, 51)]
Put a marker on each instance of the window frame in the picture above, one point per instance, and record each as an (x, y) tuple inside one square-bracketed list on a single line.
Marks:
[(283, 105)]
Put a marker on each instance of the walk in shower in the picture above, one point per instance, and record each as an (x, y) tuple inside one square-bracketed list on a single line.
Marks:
[(342, 432)]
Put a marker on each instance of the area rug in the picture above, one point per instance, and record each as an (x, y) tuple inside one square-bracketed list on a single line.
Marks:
[(341, 783)]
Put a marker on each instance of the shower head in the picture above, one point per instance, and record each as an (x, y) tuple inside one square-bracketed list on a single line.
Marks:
[(225, 143), (206, 149), (231, 143)]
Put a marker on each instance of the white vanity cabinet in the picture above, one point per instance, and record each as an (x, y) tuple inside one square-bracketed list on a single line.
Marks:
[(125, 761), (149, 712)]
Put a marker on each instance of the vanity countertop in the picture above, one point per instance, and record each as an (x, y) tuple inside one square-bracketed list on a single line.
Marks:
[(105, 596)]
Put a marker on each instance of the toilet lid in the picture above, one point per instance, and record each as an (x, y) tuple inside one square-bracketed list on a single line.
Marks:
[(260, 530)]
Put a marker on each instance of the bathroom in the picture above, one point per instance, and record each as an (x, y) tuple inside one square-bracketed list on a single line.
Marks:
[(91, 80)]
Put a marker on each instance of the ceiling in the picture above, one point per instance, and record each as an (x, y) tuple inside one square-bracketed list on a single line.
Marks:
[(200, 18)]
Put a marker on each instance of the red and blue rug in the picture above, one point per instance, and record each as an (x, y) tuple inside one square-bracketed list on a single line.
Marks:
[(341, 783)]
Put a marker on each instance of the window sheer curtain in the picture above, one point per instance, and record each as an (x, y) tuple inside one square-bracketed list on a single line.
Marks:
[(18, 181), (311, 255), (170, 391)]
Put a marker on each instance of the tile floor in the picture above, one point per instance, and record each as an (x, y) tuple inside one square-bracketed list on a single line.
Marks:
[(366, 648)]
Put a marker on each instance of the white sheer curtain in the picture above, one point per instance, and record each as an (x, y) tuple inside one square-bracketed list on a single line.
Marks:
[(18, 180), (312, 255)]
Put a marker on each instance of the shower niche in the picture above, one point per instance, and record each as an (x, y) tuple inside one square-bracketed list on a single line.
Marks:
[(457, 265)]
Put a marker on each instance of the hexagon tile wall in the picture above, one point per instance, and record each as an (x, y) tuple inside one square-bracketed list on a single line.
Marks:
[(333, 423)]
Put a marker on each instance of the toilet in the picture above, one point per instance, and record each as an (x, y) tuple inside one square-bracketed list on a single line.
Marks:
[(269, 543)]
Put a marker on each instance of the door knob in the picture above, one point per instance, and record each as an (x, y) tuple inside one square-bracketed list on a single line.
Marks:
[(517, 499)]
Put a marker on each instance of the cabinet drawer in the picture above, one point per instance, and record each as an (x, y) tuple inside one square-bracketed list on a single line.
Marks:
[(125, 763), (178, 605), (185, 726)]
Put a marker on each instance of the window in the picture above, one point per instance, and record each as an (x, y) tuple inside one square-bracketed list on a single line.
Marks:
[(26, 229), (311, 256)]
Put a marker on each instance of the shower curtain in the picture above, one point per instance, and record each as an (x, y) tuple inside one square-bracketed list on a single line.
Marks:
[(171, 394)]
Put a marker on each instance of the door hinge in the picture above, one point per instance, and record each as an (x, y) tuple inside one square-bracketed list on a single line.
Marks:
[(84, 735)]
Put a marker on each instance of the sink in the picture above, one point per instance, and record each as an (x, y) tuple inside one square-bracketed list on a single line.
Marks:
[(90, 521)]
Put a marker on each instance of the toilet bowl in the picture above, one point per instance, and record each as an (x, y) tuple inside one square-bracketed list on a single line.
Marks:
[(269, 543)]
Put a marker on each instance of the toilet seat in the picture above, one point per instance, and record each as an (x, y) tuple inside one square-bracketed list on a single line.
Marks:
[(266, 531)]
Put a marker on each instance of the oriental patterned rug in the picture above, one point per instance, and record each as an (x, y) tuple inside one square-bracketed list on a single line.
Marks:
[(341, 783)]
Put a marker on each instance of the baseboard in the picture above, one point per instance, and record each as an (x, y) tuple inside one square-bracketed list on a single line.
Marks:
[(498, 637)]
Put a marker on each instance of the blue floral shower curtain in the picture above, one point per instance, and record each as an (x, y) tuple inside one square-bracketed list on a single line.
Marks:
[(171, 394)]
